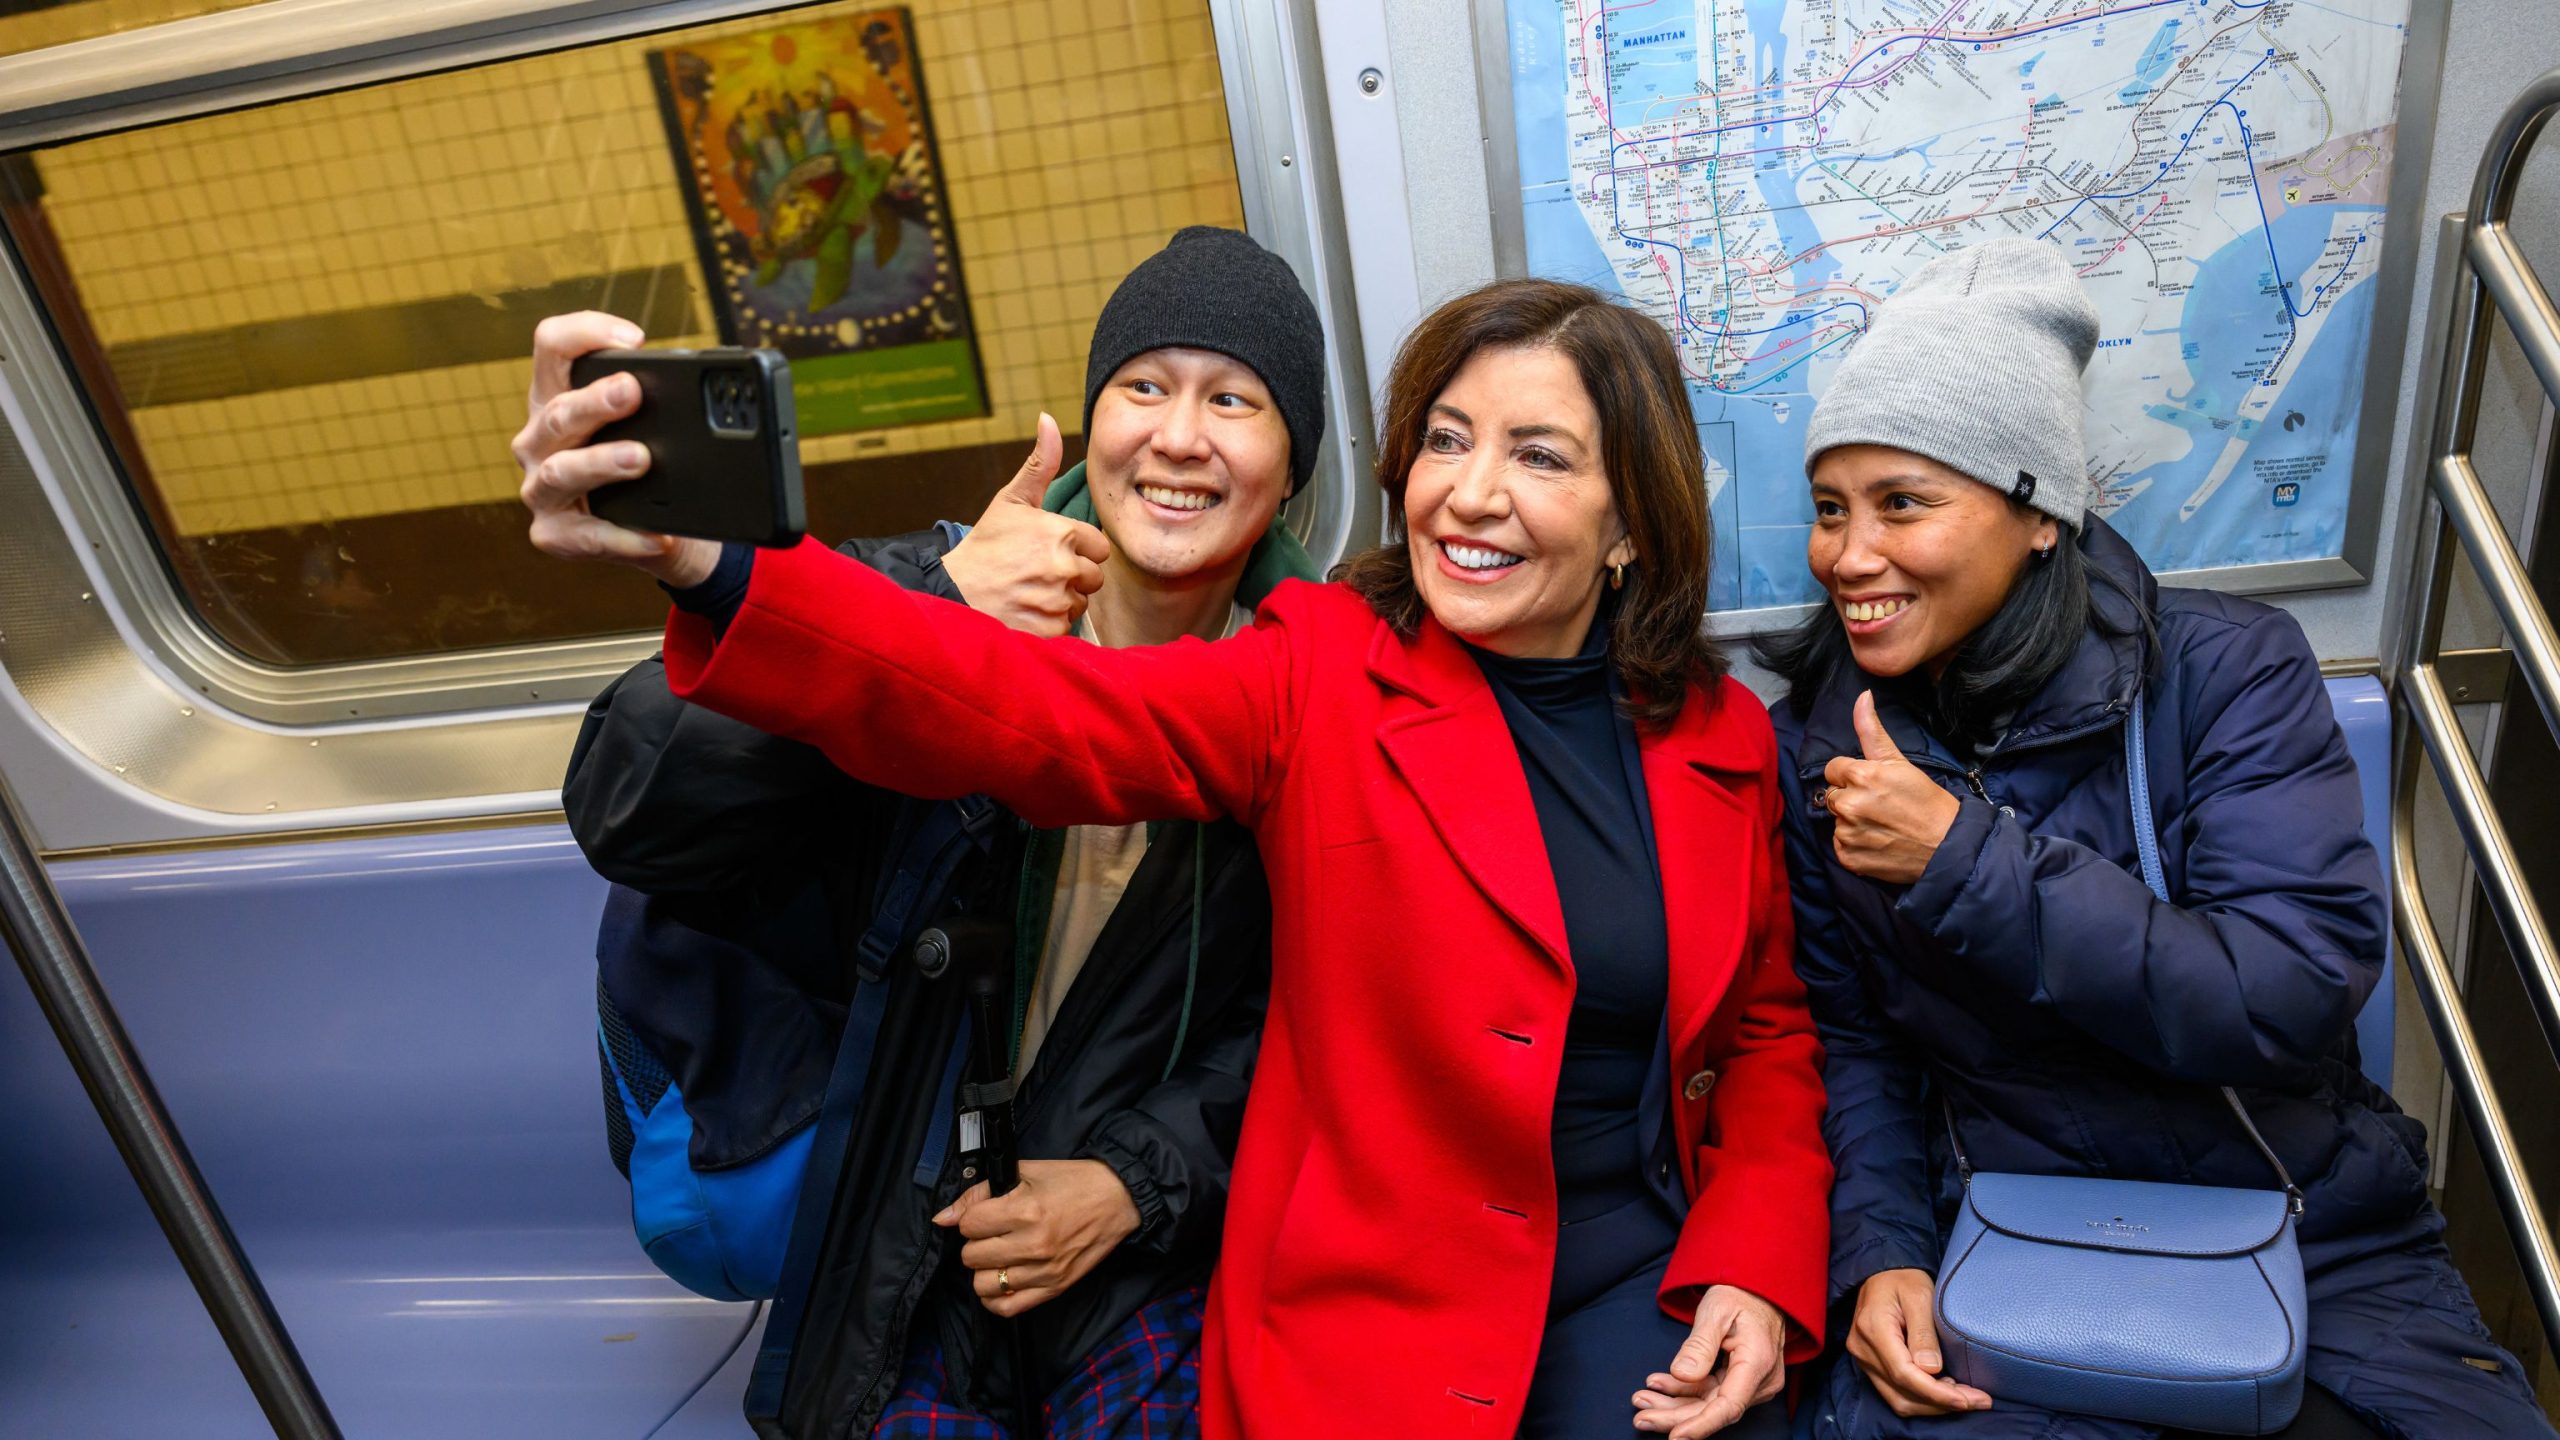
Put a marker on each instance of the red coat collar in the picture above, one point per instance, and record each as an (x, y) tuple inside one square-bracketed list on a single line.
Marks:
[(1454, 748)]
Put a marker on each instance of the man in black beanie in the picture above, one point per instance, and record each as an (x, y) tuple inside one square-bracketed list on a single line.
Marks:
[(1214, 333), (1141, 952)]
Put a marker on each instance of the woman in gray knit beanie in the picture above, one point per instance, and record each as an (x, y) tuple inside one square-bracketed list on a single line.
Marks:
[(1985, 958)]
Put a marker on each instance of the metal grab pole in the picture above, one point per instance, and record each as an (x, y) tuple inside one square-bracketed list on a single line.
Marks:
[(35, 926)]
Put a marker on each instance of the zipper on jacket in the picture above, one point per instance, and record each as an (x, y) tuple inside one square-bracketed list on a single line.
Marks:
[(1973, 778), (2107, 720), (1121, 970)]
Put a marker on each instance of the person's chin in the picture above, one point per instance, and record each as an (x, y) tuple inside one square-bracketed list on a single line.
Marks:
[(1177, 557), (1884, 659), (1460, 610)]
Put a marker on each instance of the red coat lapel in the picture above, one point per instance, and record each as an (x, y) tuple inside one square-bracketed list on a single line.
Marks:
[(1704, 834), (1454, 748)]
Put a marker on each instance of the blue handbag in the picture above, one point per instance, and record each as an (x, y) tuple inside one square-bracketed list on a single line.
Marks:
[(2174, 1305)]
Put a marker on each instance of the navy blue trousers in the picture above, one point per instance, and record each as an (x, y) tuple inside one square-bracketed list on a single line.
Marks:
[(1606, 1333)]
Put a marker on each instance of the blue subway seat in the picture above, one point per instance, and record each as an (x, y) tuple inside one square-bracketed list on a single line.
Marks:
[(2364, 713), (382, 1053)]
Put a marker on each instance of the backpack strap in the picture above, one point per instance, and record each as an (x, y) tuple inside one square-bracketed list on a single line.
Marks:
[(927, 848)]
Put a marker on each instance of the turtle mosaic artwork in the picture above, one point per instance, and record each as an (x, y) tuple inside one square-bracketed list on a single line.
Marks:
[(808, 167)]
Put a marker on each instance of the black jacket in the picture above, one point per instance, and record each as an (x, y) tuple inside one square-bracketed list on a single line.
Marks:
[(762, 843)]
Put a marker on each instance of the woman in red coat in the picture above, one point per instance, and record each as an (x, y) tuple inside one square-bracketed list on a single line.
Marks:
[(1534, 1135)]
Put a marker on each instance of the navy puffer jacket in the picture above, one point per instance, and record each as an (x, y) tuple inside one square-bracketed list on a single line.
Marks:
[(2079, 1025)]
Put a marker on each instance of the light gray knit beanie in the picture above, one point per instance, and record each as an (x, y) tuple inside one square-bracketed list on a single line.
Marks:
[(1975, 363)]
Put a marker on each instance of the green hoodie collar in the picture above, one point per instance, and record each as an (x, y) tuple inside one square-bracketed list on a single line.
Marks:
[(1276, 557)]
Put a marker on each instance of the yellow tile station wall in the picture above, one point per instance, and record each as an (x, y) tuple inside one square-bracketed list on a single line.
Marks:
[(1074, 139)]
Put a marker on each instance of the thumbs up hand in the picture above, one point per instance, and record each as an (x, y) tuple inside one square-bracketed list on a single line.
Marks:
[(1026, 567), (1888, 816)]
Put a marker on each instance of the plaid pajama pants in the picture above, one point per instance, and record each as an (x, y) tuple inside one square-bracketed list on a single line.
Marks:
[(1140, 1383)]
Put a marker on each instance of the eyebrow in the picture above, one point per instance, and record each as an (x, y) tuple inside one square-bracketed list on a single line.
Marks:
[(1883, 482), (1542, 431), (1536, 431)]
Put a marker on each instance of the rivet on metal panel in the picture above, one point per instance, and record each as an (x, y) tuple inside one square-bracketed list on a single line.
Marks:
[(1371, 81), (2476, 677), (1286, 162)]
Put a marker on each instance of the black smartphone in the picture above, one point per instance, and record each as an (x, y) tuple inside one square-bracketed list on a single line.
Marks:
[(724, 458)]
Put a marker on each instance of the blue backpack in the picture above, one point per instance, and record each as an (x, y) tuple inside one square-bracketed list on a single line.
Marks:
[(741, 1231)]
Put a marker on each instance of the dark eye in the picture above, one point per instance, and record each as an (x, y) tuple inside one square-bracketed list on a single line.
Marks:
[(1440, 440), (1230, 400), (1830, 510), (1145, 387), (1900, 500)]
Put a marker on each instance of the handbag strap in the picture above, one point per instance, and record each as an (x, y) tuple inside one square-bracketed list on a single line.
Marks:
[(2146, 844)]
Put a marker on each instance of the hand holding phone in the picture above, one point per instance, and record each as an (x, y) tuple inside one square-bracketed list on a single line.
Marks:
[(560, 465), (718, 428), (564, 459)]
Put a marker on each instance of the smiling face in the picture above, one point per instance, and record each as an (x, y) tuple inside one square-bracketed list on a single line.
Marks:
[(1915, 556), (1509, 519), (1187, 459)]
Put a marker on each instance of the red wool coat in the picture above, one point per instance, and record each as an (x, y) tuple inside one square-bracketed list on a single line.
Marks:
[(1393, 1214)]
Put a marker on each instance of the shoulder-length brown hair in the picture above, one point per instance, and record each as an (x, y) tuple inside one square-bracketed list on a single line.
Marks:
[(1648, 447)]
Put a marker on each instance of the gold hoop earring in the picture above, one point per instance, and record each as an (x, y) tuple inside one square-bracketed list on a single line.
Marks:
[(1618, 576)]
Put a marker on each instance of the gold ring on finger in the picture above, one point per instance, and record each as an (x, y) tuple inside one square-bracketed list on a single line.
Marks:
[(1003, 1286)]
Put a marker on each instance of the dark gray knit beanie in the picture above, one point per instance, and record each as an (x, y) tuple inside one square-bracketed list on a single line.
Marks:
[(1212, 289), (1975, 362)]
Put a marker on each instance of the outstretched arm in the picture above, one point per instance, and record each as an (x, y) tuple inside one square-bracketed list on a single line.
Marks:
[(934, 700), (671, 798)]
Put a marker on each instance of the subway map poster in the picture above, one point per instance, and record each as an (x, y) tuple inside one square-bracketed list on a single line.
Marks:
[(1758, 175)]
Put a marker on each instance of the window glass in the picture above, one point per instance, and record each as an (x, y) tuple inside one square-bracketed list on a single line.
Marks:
[(304, 328), (34, 24)]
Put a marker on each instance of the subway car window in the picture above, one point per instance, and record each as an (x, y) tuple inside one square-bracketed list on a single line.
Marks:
[(303, 329), (35, 24)]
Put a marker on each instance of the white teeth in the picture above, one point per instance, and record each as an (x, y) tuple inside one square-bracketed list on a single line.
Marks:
[(1873, 609), (1477, 557), (1172, 499)]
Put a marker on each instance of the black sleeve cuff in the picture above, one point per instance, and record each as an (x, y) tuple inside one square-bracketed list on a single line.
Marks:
[(718, 598), (1155, 1227), (937, 580)]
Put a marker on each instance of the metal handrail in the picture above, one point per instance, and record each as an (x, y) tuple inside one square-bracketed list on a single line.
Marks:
[(2495, 281), (56, 965)]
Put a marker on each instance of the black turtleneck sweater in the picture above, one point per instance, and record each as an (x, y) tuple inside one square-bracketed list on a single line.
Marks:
[(1586, 781)]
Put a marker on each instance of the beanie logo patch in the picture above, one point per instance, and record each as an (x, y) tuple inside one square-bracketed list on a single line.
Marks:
[(2024, 491)]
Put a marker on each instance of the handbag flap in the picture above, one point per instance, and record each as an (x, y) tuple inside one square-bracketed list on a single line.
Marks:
[(2138, 1217)]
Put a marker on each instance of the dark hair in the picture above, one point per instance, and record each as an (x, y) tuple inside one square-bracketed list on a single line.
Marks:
[(1648, 445), (1995, 670)]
